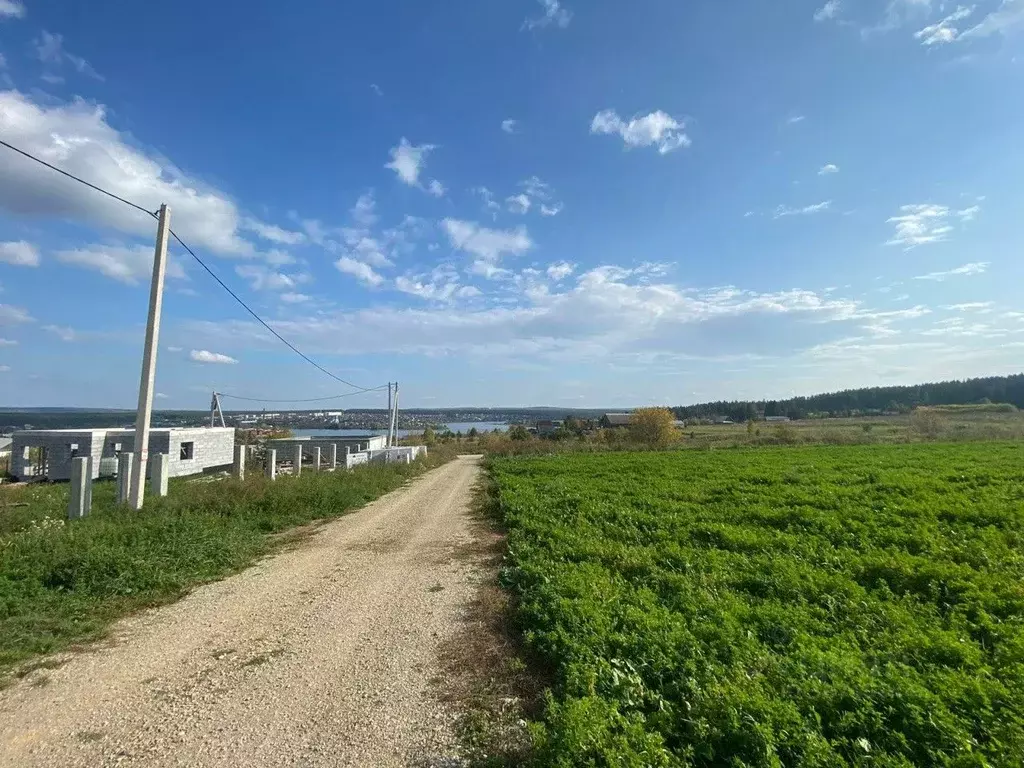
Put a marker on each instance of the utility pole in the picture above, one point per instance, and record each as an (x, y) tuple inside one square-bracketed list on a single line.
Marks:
[(216, 411), (148, 378), (388, 441), (394, 419)]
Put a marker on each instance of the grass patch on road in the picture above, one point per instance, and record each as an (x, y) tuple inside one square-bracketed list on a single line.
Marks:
[(828, 606), (63, 582)]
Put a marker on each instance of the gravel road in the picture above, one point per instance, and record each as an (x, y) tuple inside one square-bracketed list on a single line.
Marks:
[(324, 655)]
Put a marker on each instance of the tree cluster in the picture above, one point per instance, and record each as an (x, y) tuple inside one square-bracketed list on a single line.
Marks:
[(873, 400)]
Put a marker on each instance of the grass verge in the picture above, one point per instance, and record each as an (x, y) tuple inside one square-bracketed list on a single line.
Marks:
[(487, 679), (63, 583)]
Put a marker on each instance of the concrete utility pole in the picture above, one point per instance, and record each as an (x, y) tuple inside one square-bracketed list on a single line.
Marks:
[(142, 419), (388, 441), (394, 420), (216, 411)]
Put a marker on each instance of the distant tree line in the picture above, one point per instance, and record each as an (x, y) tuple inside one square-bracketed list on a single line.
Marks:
[(871, 400)]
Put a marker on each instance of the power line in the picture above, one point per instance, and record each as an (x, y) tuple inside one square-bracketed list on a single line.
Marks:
[(72, 176), (212, 274), (263, 322), (306, 400)]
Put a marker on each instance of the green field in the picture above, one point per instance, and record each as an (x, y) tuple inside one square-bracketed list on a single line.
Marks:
[(826, 606)]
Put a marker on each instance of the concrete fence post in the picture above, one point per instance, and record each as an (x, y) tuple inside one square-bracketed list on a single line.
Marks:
[(238, 470), (271, 463), (124, 476), (332, 456), (88, 486), (80, 482), (316, 459), (297, 460), (159, 471)]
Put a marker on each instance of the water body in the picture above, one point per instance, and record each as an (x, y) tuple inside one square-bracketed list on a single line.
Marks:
[(458, 426)]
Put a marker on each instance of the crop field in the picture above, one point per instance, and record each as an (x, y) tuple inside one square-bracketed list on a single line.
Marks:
[(825, 606)]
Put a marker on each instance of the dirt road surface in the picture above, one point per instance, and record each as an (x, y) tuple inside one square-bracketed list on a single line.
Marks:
[(325, 655)]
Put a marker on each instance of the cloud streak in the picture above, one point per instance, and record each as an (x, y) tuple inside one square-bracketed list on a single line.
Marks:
[(215, 358), (656, 129)]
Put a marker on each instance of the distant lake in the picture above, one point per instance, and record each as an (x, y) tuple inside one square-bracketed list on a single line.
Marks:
[(458, 426)]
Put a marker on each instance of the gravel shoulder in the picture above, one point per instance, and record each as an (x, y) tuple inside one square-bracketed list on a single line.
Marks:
[(323, 655)]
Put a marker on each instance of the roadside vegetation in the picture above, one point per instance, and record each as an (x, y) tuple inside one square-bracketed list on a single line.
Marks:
[(812, 606), (64, 582), (656, 428)]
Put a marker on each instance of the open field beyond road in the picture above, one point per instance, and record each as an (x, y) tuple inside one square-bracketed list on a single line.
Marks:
[(826, 606), (322, 655)]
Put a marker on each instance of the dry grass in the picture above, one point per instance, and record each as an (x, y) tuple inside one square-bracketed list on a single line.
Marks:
[(486, 679)]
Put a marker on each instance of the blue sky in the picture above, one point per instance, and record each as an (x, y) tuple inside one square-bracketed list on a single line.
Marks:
[(515, 202)]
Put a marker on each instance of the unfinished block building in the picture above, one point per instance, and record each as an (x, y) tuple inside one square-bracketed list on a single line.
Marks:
[(48, 453)]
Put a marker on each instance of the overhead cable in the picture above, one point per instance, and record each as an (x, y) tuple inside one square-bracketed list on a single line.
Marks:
[(212, 274)]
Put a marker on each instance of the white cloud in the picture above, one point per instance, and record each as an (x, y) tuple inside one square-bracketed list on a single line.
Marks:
[(294, 298), (8, 343), (943, 31), (19, 253), (76, 137), (205, 356), (376, 89), (796, 119), (782, 210), (61, 332), (509, 126), (272, 233), (899, 13), (827, 169), (925, 223), (828, 11), (554, 13), (277, 258), (362, 243), (519, 203), (12, 9), (11, 315), (560, 270), (970, 306), (160, 396), (968, 214), (974, 268), (126, 264), (426, 288), (262, 278), (655, 129), (1008, 18), (5, 369), (174, 349), (551, 210), (436, 188), (607, 312), (359, 270), (364, 212), (490, 204), (50, 50), (407, 160), (488, 245)]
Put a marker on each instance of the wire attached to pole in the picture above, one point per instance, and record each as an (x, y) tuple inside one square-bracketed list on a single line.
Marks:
[(212, 274)]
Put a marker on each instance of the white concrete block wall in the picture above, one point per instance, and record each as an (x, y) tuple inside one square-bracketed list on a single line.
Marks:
[(355, 459), (58, 444), (212, 448), (388, 455)]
